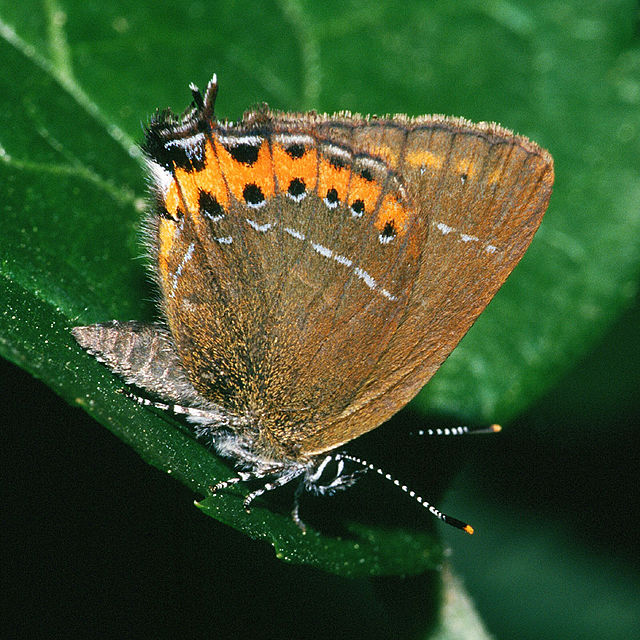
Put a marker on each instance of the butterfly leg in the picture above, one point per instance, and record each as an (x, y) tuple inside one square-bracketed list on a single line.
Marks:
[(224, 484), (295, 512), (279, 481), (269, 486)]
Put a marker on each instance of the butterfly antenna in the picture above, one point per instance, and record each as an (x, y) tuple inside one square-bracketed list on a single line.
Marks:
[(458, 431), (454, 522)]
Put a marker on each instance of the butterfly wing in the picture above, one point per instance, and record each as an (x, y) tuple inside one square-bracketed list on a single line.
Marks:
[(317, 270), (481, 192)]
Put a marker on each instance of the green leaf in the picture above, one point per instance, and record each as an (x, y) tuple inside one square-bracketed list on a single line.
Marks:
[(78, 79)]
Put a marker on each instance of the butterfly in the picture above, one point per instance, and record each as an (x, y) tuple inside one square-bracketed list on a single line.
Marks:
[(315, 271)]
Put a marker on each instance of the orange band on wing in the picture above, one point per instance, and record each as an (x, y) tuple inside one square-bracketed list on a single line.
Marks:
[(424, 159), (239, 174), (173, 199), (366, 190), (188, 188), (392, 212), (166, 236), (332, 177), (211, 180), (287, 168)]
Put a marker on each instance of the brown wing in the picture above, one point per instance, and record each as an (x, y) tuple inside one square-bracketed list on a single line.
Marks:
[(316, 271), (482, 193)]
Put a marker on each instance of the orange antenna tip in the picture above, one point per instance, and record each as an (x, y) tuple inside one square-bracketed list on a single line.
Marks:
[(469, 529), (496, 428)]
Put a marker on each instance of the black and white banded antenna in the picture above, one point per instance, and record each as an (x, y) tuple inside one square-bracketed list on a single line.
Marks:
[(457, 431), (448, 431)]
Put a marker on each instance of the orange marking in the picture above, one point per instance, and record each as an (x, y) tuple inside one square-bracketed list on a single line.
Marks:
[(189, 189), (166, 235), (495, 176), (172, 199), (288, 168), (392, 211), (188, 184), (466, 167), (496, 428), (365, 190), (330, 177), (469, 529), (424, 158), (238, 175), (210, 179), (385, 153)]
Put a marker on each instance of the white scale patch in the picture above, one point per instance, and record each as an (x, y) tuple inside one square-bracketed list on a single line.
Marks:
[(161, 177), (463, 237), (325, 252), (372, 164), (224, 240), (234, 141), (368, 280), (388, 295), (176, 276), (192, 146), (294, 234), (185, 143), (332, 150), (342, 260), (217, 218), (262, 228), (385, 239), (299, 198), (288, 139), (330, 205)]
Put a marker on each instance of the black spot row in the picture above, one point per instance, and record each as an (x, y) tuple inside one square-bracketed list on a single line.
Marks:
[(248, 154)]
